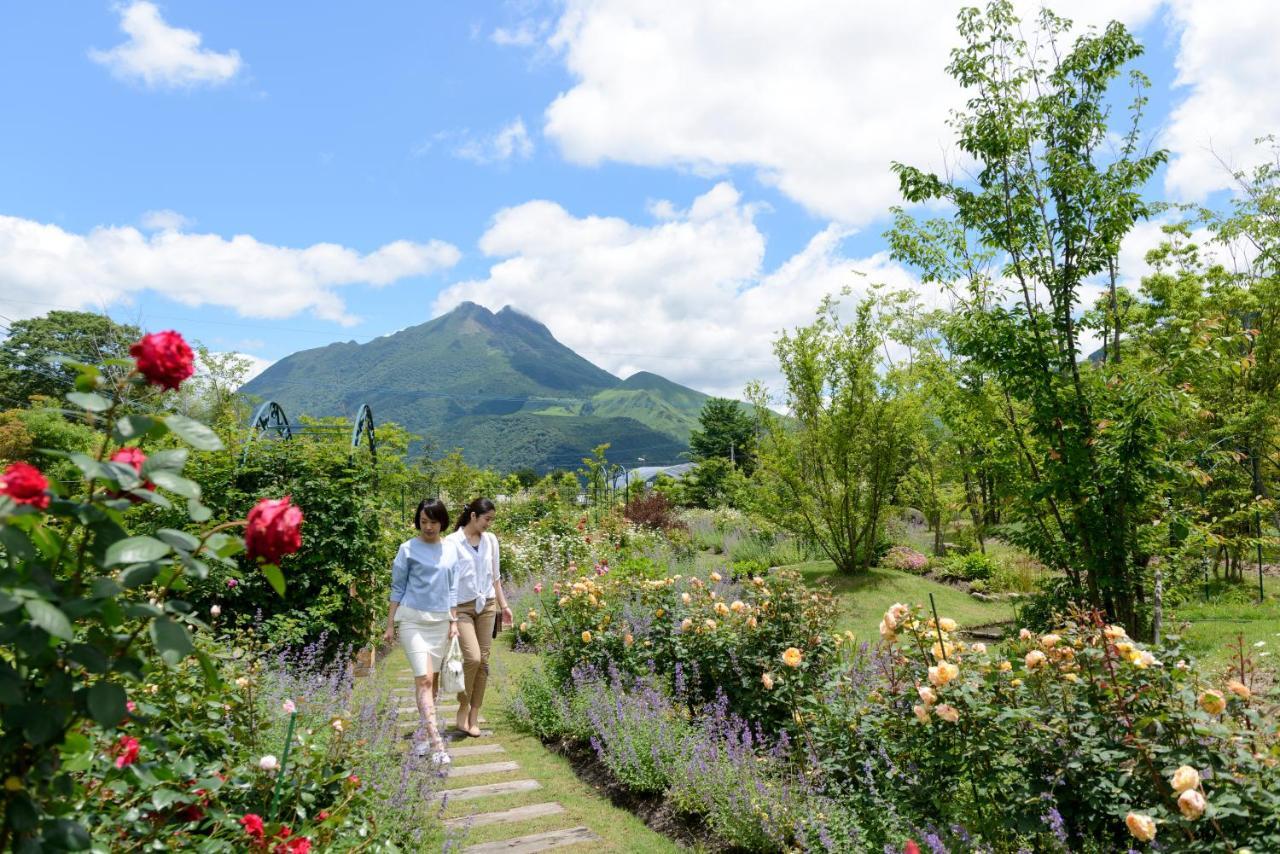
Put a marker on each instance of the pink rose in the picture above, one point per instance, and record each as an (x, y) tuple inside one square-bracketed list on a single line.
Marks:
[(25, 484), (274, 530)]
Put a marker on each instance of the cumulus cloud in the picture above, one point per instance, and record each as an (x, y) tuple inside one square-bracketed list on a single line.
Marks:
[(162, 56), (165, 220), (817, 98), (1228, 66), (510, 141), (686, 296), (42, 264)]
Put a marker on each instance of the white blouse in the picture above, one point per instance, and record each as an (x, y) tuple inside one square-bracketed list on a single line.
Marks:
[(477, 568)]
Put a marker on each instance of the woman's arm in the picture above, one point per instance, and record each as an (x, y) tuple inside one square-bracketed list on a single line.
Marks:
[(399, 580), (507, 617)]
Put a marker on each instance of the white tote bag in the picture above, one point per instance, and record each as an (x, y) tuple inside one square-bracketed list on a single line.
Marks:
[(451, 678)]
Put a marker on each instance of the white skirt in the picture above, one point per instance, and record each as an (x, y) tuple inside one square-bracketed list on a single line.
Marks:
[(424, 636)]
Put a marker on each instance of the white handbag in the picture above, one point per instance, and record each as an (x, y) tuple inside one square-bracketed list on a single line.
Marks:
[(451, 678)]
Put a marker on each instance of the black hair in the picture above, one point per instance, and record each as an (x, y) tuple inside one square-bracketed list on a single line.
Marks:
[(434, 509), (479, 507)]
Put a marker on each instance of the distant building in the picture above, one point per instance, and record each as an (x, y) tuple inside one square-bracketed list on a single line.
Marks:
[(649, 474)]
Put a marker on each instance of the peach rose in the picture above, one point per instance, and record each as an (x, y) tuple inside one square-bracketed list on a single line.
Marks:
[(921, 713), (1184, 778), (948, 713), (1143, 827), (943, 673), (927, 694), (792, 657), (1034, 659), (1213, 702), (1241, 690), (1191, 804)]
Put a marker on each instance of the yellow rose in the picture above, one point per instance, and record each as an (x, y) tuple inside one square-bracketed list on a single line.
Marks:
[(1124, 648), (1142, 659), (947, 624), (710, 624), (564, 600), (658, 613), (591, 598), (628, 640), (979, 648), (948, 713), (1071, 677), (942, 651), (1016, 683), (1006, 666), (895, 615), (1143, 827), (715, 576), (1049, 641), (1184, 778), (757, 581), (722, 609), (586, 637), (685, 624), (921, 713), (751, 622), (1024, 634), (737, 607), (766, 679), (684, 598), (1034, 659), (524, 627), (1241, 690), (1114, 633), (886, 631), (927, 694), (943, 673), (792, 657), (533, 615), (1191, 804), (1213, 702)]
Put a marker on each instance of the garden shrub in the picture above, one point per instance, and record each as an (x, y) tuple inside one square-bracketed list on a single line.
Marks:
[(973, 566), (907, 560), (653, 510)]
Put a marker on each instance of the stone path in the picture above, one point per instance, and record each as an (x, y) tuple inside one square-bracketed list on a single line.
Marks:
[(486, 775)]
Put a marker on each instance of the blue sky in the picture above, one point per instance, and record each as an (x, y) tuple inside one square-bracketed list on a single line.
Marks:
[(664, 184)]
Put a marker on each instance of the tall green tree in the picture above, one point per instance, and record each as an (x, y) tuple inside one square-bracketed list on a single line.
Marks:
[(726, 432), (1051, 199), (832, 465), (25, 371)]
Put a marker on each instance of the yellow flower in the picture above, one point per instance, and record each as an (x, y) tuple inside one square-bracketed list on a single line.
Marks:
[(524, 627), (921, 713), (1049, 641), (1184, 778), (722, 609), (715, 576), (711, 624), (943, 673), (1114, 633), (658, 613), (757, 581), (564, 600), (1143, 827), (1006, 666), (686, 624), (591, 597), (895, 615), (628, 640), (886, 631), (13, 784), (1213, 702), (586, 637), (738, 606), (1191, 804), (939, 649), (1017, 683), (1034, 659), (684, 598), (1071, 677), (751, 622), (979, 648), (533, 615), (1124, 648), (792, 657), (947, 624), (1142, 659), (766, 679), (948, 713), (927, 694), (1241, 690), (1025, 634)]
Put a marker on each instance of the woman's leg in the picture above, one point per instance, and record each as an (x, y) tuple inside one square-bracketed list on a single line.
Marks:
[(476, 682), (424, 694), (468, 640)]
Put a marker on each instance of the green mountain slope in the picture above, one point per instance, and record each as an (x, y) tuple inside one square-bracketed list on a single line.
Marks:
[(498, 386)]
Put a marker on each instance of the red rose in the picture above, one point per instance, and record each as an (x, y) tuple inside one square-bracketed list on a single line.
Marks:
[(322, 815), (354, 780), (284, 833), (134, 457), (164, 359), (301, 845), (274, 529), (126, 751), (911, 847), (26, 485), (252, 825)]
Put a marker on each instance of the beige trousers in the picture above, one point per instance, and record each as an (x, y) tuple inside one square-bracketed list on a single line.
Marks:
[(475, 636)]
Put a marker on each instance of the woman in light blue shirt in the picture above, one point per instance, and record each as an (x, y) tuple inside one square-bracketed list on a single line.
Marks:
[(424, 584)]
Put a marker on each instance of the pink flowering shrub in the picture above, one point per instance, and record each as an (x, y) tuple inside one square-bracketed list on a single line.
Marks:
[(907, 560)]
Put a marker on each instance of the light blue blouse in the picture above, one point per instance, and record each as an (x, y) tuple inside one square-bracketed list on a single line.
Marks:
[(424, 576)]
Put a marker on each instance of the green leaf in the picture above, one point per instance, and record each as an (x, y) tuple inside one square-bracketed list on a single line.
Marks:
[(225, 545), (178, 539), (194, 433), (141, 610), (171, 639), (16, 543), (49, 617), (176, 483), (135, 550), (136, 426), (88, 400), (162, 797), (210, 670), (66, 835), (104, 587), (174, 459), (198, 512), (139, 574), (106, 703), (8, 604), (274, 576)]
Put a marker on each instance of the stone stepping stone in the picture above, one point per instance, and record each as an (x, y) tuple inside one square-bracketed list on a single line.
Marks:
[(483, 768), (477, 750), (537, 842), (470, 793), (517, 814)]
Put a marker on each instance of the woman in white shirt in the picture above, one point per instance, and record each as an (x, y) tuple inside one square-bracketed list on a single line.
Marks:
[(424, 584), (478, 599)]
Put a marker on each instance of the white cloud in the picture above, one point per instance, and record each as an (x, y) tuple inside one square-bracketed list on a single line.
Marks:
[(818, 97), (162, 56), (686, 296), (42, 265), (165, 220), (1228, 63), (525, 34), (512, 140)]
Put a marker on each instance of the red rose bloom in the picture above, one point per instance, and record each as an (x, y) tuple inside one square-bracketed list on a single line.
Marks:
[(301, 845), (134, 457), (911, 847), (26, 485), (126, 751), (354, 780), (274, 530), (252, 825), (164, 359)]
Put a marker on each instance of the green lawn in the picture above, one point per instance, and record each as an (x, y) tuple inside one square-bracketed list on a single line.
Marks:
[(1212, 627), (864, 597)]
